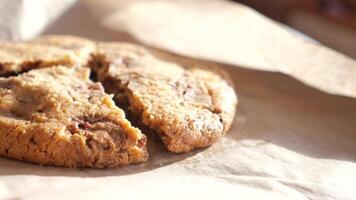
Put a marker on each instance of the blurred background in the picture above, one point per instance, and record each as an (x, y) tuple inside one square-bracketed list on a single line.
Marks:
[(331, 22)]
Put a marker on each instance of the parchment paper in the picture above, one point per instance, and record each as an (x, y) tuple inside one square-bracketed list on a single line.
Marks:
[(288, 140), (227, 32)]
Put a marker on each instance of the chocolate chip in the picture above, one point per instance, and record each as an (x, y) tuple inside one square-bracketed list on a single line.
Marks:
[(32, 140), (84, 125)]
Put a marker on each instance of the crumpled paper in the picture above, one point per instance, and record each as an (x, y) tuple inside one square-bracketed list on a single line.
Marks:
[(288, 140)]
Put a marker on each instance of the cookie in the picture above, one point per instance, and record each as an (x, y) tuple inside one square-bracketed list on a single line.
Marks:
[(57, 116), (188, 108)]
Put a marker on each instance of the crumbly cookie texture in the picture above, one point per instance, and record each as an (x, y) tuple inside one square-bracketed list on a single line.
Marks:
[(46, 51), (20, 57), (188, 108), (83, 48), (57, 116)]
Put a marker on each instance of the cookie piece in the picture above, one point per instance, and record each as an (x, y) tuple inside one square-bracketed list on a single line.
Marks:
[(57, 116), (188, 108)]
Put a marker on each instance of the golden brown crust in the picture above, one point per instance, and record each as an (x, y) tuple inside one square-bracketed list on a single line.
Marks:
[(46, 51), (57, 116), (189, 108), (19, 57), (82, 47)]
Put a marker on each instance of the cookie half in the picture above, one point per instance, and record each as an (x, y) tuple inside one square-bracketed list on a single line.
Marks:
[(188, 108), (57, 116)]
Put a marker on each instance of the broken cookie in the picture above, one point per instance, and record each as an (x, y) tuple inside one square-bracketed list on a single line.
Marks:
[(188, 108), (57, 116)]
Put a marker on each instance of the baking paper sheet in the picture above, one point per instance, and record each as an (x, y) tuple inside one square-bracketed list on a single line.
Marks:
[(227, 32), (288, 141)]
